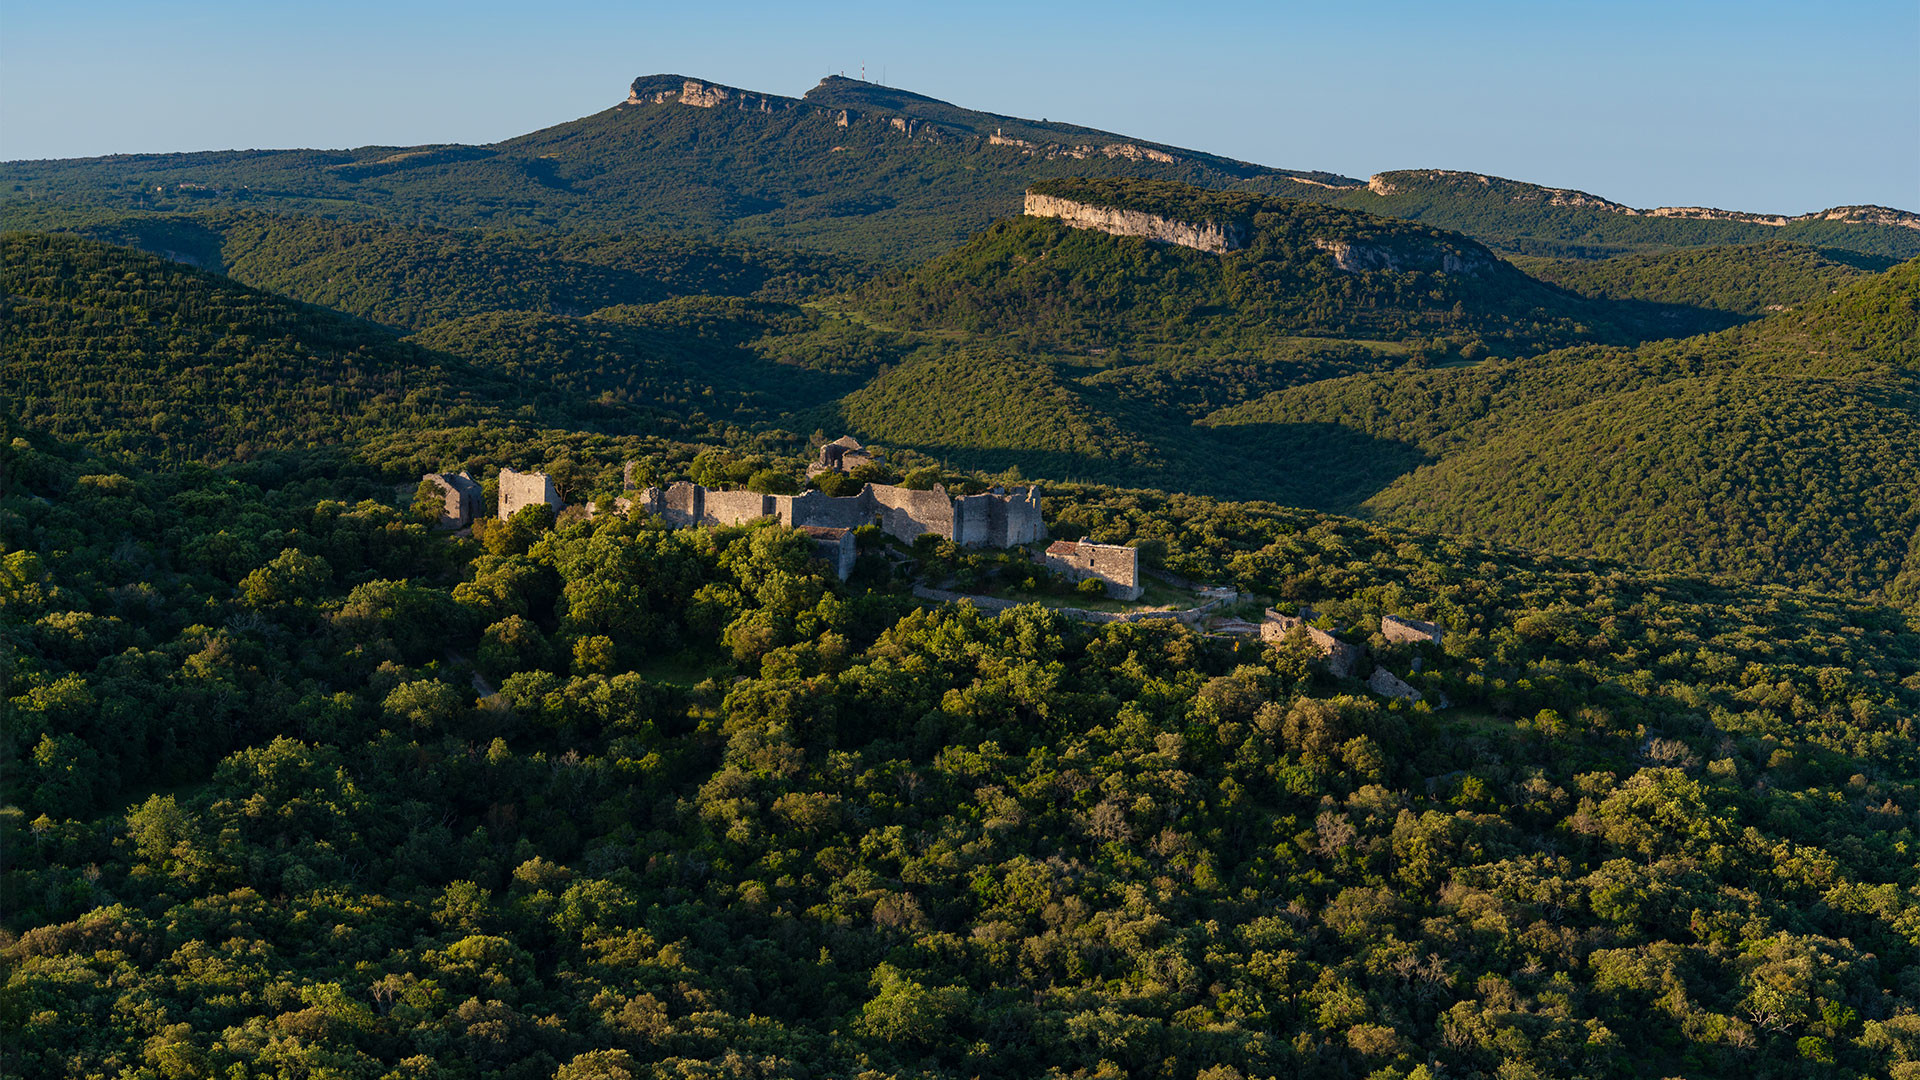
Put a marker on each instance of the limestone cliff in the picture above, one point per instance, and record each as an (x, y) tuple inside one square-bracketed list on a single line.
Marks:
[(703, 95), (1201, 236)]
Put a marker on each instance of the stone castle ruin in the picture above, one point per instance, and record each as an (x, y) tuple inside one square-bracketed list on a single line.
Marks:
[(993, 519), (1343, 659), (1118, 567), (520, 490), (460, 499)]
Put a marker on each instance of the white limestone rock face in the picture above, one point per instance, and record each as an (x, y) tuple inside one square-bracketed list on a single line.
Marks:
[(1200, 236)]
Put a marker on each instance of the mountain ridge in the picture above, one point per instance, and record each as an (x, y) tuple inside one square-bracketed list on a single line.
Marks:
[(859, 169)]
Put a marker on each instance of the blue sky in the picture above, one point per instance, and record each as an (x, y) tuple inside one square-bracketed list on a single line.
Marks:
[(1779, 107)]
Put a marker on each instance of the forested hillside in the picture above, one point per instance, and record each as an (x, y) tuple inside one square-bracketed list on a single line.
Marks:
[(1529, 219), (133, 353), (614, 801), (1785, 450), (1051, 284), (1735, 281), (297, 783)]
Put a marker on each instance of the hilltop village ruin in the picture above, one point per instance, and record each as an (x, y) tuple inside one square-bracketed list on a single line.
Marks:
[(994, 519)]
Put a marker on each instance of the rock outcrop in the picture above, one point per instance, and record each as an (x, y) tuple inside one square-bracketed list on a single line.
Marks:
[(706, 95), (1201, 236), (1356, 258)]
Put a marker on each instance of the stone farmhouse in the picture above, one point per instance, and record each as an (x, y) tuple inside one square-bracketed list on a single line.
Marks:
[(1118, 567), (460, 499)]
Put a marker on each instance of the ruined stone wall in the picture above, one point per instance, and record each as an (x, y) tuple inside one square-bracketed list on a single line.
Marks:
[(1398, 628), (1118, 567), (1341, 657), (836, 546), (822, 509), (989, 520), (681, 505), (735, 507), (1017, 519), (519, 490), (1201, 236), (460, 499), (906, 514), (973, 520), (1388, 685)]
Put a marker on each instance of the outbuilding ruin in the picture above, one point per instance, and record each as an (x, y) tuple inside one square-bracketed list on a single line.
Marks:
[(460, 499), (1118, 567)]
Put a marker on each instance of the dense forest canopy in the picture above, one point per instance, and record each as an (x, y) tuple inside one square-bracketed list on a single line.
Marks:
[(296, 783)]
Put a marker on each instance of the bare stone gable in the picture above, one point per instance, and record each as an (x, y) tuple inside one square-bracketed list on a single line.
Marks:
[(1118, 567)]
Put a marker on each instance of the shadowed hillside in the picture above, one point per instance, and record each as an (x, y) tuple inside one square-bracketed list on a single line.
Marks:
[(1785, 449)]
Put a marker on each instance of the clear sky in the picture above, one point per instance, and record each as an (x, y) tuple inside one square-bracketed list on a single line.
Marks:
[(1782, 107)]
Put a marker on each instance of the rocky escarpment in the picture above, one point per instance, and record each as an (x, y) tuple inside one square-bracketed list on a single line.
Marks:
[(1201, 236), (848, 102), (702, 95), (1357, 258), (1420, 181)]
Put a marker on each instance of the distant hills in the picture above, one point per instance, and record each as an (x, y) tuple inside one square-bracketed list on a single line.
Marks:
[(1722, 394), (855, 168), (1784, 450), (1299, 268), (1530, 219)]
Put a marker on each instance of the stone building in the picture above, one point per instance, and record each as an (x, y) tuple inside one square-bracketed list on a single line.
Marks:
[(1341, 657), (836, 546), (519, 490), (460, 499), (993, 519), (1118, 567), (1396, 628), (842, 455)]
